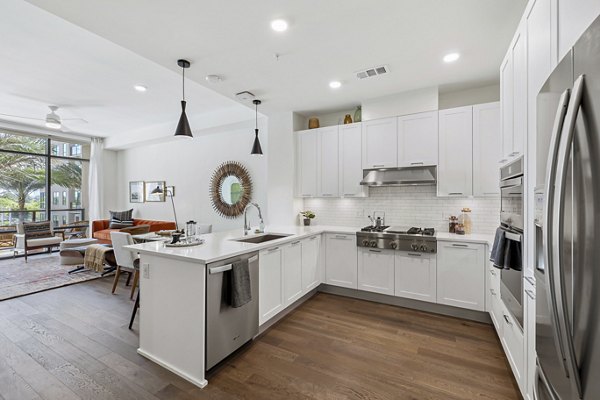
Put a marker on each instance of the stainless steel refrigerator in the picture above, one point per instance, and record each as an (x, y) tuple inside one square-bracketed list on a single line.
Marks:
[(568, 226)]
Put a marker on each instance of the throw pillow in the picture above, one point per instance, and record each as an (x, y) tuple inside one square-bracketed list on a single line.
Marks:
[(116, 224), (122, 215)]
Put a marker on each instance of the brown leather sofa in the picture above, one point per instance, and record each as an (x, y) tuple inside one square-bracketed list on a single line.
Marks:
[(101, 230)]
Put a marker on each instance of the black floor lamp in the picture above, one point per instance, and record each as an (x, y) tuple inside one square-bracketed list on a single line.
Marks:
[(159, 190)]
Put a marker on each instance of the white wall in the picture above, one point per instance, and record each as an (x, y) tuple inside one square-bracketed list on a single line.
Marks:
[(404, 103), (283, 207), (406, 206), (188, 165), (467, 97), (111, 181)]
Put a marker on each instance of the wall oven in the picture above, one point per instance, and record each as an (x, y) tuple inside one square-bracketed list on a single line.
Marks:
[(512, 222)]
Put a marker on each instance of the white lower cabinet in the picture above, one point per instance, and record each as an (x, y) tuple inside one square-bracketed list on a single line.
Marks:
[(270, 283), (494, 302), (461, 275), (513, 343), (530, 355), (292, 272), (311, 271), (415, 276), (341, 260), (376, 270)]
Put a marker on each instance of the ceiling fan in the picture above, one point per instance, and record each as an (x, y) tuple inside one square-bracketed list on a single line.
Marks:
[(52, 120)]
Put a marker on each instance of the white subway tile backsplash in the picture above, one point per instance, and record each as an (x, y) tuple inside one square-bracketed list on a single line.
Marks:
[(406, 205)]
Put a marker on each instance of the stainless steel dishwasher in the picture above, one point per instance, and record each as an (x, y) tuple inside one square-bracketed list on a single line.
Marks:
[(228, 328)]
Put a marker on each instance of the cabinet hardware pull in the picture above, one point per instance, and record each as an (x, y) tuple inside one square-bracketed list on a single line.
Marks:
[(492, 292), (417, 163), (307, 195), (378, 165), (349, 194), (273, 249), (459, 245), (491, 193), (218, 270), (414, 254), (455, 193), (341, 237), (313, 238), (514, 153), (507, 319), (492, 272), (374, 251), (295, 243), (502, 161), (326, 194), (530, 294), (530, 280)]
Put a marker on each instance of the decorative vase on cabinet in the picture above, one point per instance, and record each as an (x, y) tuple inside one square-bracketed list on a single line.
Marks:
[(347, 119), (313, 123), (358, 114)]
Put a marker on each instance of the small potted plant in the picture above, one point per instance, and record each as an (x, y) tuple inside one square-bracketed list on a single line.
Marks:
[(308, 215)]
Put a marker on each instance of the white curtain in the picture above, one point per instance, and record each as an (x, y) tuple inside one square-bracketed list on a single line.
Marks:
[(96, 181)]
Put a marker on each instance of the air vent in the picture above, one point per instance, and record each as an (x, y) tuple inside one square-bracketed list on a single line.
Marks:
[(371, 72)]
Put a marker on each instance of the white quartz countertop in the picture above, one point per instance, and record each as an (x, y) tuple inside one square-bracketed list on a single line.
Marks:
[(472, 238), (219, 245)]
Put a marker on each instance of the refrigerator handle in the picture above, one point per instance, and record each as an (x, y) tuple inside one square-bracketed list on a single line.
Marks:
[(562, 165), (547, 223)]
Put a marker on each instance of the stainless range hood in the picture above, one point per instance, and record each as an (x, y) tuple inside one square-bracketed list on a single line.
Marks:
[(422, 175)]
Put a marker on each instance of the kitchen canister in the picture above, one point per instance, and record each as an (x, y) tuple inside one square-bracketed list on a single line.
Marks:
[(313, 123)]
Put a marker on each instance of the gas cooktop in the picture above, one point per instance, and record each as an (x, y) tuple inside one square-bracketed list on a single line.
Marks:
[(398, 238)]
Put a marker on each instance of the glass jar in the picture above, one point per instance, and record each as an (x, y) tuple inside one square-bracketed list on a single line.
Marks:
[(452, 224), (465, 219), (460, 229)]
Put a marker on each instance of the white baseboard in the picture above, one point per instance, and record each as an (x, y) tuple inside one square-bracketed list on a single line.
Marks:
[(201, 383)]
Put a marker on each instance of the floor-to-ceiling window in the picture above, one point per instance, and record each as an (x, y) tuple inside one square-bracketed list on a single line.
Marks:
[(42, 179)]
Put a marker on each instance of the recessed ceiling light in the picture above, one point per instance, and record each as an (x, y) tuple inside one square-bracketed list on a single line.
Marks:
[(140, 88), (279, 25), (451, 57), (335, 84)]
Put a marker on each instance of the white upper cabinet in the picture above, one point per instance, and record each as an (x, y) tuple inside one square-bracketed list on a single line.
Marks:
[(307, 142), (506, 106), (415, 276), (574, 17), (487, 149), (461, 275), (328, 161), (350, 169), (418, 139), (379, 143), (513, 96), (455, 172), (519, 92)]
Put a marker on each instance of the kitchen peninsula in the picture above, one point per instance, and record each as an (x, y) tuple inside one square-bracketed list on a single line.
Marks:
[(292, 263)]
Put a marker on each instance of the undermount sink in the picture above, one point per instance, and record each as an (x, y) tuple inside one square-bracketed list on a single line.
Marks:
[(262, 238)]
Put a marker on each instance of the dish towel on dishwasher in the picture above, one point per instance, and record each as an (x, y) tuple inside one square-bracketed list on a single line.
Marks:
[(499, 249), (241, 292)]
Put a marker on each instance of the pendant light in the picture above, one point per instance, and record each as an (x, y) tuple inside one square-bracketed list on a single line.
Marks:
[(183, 127), (256, 149)]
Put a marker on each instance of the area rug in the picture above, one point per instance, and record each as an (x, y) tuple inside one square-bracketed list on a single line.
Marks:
[(41, 272)]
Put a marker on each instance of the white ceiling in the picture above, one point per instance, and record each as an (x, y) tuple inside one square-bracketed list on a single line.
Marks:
[(326, 40), (46, 60)]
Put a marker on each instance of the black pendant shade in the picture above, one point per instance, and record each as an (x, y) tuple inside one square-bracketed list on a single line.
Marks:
[(256, 149), (183, 127)]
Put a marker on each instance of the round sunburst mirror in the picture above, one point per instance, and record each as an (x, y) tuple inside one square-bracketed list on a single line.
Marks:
[(230, 189)]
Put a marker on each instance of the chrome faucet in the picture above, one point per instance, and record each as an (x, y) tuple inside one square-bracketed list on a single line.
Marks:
[(247, 225)]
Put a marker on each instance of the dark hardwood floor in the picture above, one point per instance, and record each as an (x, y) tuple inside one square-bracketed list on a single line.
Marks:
[(73, 343)]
